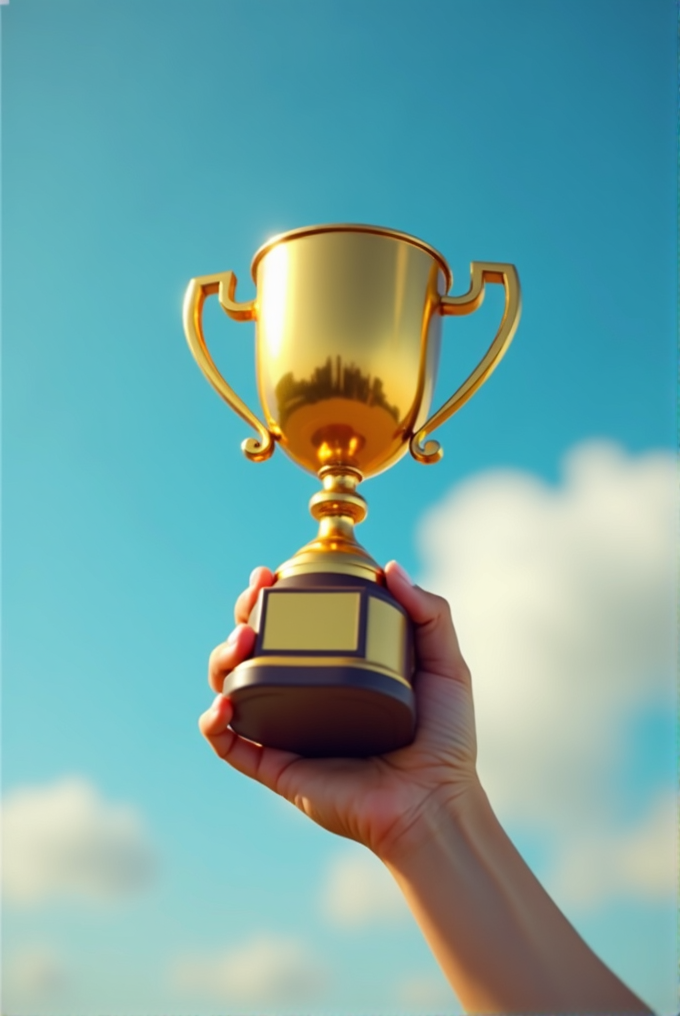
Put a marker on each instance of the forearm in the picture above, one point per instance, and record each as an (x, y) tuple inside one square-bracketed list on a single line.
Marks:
[(501, 941)]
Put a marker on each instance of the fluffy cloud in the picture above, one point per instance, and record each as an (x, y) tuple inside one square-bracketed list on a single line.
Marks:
[(427, 993), (267, 970), (640, 860), (35, 972), (64, 840), (34, 980), (564, 601), (359, 890)]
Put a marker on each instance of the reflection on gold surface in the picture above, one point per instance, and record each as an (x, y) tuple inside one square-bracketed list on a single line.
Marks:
[(333, 379), (326, 412), (366, 433), (350, 340), (347, 327), (338, 444)]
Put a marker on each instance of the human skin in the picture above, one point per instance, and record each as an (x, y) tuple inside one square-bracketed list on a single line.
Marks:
[(501, 941)]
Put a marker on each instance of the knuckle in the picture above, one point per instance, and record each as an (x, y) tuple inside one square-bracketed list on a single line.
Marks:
[(244, 605), (218, 665), (214, 657), (441, 606)]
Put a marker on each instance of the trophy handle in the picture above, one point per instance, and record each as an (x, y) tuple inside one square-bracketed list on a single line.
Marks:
[(224, 284), (481, 272)]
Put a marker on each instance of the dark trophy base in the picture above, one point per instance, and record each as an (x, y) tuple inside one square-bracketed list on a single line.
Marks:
[(331, 672)]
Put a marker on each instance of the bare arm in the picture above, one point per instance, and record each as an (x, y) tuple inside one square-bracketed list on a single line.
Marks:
[(501, 941)]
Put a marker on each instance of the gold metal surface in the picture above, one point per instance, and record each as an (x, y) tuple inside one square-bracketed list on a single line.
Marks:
[(319, 661), (350, 227), (338, 508), (385, 635), (338, 497), (224, 284), (312, 621), (314, 557), (480, 273), (347, 341), (348, 330)]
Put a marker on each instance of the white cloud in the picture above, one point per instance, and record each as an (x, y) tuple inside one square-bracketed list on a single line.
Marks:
[(427, 993), (266, 970), (36, 972), (564, 602), (64, 840), (35, 979), (641, 860), (359, 890)]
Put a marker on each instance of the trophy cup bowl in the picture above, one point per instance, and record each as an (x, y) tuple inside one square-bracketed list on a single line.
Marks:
[(348, 330)]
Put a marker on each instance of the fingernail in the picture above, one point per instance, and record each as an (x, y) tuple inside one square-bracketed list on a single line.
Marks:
[(401, 572)]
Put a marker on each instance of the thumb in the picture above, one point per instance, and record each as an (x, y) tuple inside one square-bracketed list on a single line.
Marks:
[(437, 646)]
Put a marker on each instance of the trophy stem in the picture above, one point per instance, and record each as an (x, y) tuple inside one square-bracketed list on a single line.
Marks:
[(338, 508), (339, 499), (333, 661)]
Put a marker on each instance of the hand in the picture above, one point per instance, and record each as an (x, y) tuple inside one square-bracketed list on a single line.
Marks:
[(500, 940), (376, 801)]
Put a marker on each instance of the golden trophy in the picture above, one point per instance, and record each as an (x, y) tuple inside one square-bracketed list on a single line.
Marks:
[(347, 334)]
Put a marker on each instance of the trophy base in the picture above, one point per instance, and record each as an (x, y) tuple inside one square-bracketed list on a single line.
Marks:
[(331, 671), (327, 711)]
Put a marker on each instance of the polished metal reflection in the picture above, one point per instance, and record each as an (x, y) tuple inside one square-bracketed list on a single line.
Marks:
[(345, 326), (347, 337), (348, 330)]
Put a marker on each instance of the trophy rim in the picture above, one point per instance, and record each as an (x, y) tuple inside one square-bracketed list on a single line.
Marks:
[(352, 227)]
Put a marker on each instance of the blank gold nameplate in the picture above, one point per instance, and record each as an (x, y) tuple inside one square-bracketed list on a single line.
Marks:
[(312, 622)]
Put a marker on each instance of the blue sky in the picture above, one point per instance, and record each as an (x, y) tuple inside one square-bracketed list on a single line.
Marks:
[(146, 143)]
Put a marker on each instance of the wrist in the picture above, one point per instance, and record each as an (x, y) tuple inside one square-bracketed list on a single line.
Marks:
[(444, 816)]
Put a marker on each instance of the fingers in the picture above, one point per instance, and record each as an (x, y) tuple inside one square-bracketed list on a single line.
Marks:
[(243, 755), (259, 579), (240, 643), (263, 764), (436, 641), (214, 725), (229, 654), (266, 765)]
